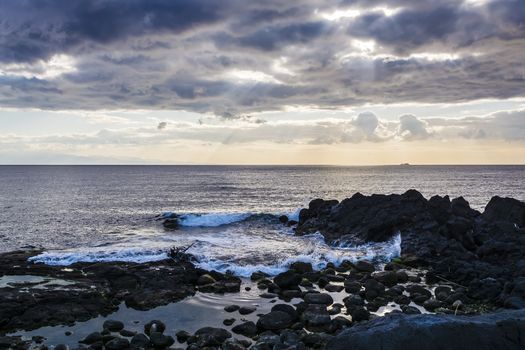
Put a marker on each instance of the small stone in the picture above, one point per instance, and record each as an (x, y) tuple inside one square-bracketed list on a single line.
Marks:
[(205, 280), (91, 338), (318, 298), (316, 315), (275, 320), (301, 267), (246, 310), (154, 326), (334, 288), (268, 295), (364, 266), (290, 310), (161, 341), (113, 325), (248, 329), (231, 308), (127, 333), (228, 321), (61, 347), (117, 344), (182, 336), (359, 314), (258, 275), (352, 286), (139, 341), (287, 280)]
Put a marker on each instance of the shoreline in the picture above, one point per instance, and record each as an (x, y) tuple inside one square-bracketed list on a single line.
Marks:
[(458, 268)]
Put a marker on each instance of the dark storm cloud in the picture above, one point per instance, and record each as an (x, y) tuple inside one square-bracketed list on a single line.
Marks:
[(408, 29), (269, 39), (36, 29), (236, 57)]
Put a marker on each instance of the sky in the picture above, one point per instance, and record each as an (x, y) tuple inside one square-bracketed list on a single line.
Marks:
[(343, 82)]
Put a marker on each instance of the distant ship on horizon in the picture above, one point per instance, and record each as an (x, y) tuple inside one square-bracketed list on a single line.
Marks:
[(405, 164)]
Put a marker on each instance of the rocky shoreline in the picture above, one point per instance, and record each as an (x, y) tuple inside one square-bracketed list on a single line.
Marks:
[(459, 273)]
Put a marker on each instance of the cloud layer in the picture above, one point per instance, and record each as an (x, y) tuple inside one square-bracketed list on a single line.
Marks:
[(233, 58)]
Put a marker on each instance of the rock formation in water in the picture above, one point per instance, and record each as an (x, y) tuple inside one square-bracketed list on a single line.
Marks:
[(484, 252)]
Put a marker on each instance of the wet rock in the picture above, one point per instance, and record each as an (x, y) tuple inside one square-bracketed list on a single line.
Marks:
[(401, 276), (154, 326), (258, 275), (402, 300), (364, 266), (248, 329), (353, 300), (373, 289), (418, 290), (358, 313), (387, 278), (442, 292), (287, 280), (231, 308), (234, 345), (117, 344), (290, 310), (432, 304), (505, 209), (91, 338), (318, 298), (113, 325), (127, 333), (61, 347), (352, 286), (268, 295), (275, 320), (205, 280), (283, 219), (301, 267), (316, 315), (161, 341), (228, 321), (499, 331), (246, 310), (182, 336), (333, 288), (209, 336), (291, 293), (139, 341), (410, 310), (171, 224)]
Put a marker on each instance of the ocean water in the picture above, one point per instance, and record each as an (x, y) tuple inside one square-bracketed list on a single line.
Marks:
[(107, 213)]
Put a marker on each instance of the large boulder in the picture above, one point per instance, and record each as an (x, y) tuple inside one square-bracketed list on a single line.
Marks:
[(505, 209), (504, 330)]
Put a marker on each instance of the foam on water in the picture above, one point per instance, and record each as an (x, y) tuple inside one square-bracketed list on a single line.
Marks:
[(319, 257), (212, 219), (71, 256)]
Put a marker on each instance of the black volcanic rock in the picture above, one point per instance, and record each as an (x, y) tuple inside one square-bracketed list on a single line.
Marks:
[(485, 253), (503, 330), (95, 289), (505, 209)]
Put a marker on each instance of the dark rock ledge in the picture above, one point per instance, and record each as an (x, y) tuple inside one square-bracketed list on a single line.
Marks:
[(97, 289), (496, 331)]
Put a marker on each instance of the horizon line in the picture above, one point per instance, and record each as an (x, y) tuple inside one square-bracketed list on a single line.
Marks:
[(267, 165)]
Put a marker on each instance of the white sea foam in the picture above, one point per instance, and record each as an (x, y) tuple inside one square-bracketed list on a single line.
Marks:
[(212, 219), (319, 256), (68, 257), (254, 245)]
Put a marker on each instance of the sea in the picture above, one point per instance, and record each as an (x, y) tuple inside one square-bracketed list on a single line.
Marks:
[(229, 214)]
